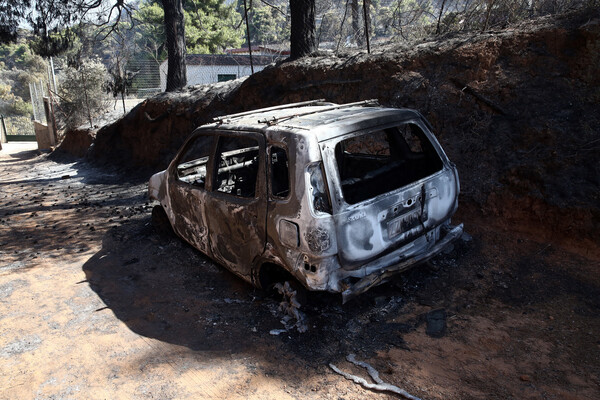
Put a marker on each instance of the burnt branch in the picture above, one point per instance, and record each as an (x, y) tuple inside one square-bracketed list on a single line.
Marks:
[(463, 87)]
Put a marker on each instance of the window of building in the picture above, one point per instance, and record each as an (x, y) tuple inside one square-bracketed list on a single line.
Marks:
[(226, 77)]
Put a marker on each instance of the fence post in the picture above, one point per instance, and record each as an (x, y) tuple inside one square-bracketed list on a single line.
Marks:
[(31, 94), (53, 84), (51, 120), (3, 138)]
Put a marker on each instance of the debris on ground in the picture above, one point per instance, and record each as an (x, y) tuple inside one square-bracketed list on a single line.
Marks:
[(436, 323), (290, 307), (380, 385)]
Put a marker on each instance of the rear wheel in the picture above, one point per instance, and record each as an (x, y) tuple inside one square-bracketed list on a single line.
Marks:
[(161, 222)]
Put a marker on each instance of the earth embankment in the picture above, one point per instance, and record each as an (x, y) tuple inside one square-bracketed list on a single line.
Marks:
[(516, 110)]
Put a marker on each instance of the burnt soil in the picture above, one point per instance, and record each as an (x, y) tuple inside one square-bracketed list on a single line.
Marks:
[(96, 304)]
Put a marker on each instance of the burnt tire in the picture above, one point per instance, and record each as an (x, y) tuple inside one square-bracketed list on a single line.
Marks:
[(160, 221)]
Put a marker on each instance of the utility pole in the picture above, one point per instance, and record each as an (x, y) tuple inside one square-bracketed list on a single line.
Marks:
[(248, 36), (366, 19)]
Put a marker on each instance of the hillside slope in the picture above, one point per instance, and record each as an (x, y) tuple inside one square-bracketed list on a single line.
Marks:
[(517, 110)]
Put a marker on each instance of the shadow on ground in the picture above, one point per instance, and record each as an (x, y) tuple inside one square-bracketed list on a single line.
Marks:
[(21, 155), (164, 289)]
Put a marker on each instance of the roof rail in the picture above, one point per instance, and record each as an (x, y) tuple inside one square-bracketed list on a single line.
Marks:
[(365, 103), (281, 107)]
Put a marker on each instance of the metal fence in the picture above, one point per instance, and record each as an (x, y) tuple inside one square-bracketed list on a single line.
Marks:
[(146, 78)]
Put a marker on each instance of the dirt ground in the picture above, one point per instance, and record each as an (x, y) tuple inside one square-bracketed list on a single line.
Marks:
[(95, 304)]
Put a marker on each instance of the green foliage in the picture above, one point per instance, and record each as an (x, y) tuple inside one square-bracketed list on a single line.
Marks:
[(21, 107), (82, 95), (150, 33), (11, 104), (267, 25), (210, 27), (13, 13), (55, 43), (20, 67), (19, 125)]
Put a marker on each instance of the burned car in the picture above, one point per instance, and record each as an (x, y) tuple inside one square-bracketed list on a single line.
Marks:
[(335, 197)]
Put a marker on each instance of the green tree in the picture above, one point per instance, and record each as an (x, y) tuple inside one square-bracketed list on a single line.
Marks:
[(18, 68), (150, 33), (211, 26), (81, 94), (268, 23)]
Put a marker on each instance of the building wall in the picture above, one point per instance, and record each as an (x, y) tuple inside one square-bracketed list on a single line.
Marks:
[(203, 74)]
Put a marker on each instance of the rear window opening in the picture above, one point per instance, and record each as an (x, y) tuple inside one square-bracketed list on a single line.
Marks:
[(378, 162)]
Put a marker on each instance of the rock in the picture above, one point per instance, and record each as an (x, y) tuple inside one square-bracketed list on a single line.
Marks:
[(436, 323), (277, 332), (465, 237)]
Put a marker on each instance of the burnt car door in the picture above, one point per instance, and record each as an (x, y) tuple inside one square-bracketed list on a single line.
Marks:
[(188, 187), (236, 205)]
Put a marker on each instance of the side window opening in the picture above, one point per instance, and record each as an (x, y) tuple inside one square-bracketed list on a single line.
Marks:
[(374, 163), (280, 178), (318, 189), (191, 167), (237, 166)]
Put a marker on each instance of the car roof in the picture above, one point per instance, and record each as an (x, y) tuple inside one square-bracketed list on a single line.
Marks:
[(324, 120)]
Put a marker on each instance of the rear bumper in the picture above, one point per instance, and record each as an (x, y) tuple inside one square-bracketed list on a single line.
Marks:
[(380, 276)]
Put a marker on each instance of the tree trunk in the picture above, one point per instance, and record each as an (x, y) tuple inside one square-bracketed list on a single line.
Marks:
[(439, 21), (490, 4), (175, 30), (302, 37), (356, 31), (367, 19)]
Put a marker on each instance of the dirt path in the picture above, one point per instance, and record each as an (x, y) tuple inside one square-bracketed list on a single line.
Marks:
[(95, 304)]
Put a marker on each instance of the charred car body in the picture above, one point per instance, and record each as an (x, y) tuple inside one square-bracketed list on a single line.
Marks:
[(339, 197)]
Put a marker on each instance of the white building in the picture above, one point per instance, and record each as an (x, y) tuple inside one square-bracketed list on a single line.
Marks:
[(211, 68)]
